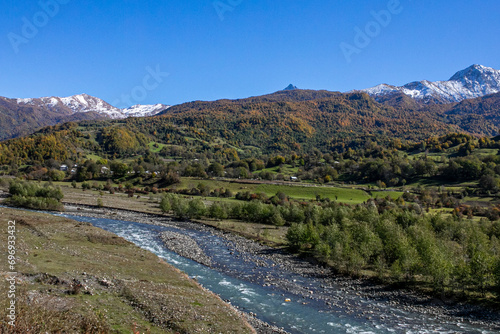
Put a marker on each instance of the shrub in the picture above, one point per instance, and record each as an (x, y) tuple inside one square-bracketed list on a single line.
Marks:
[(196, 208), (180, 207), (37, 203), (34, 196), (218, 211), (4, 183), (277, 218), (497, 278), (56, 175), (165, 205), (171, 178)]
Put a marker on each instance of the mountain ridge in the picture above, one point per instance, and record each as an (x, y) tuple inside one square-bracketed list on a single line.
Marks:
[(472, 82), (19, 117), (438, 100), (85, 103), (282, 122)]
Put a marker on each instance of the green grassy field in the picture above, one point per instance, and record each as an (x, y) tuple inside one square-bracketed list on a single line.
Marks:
[(437, 157), (94, 157), (305, 192), (443, 156), (345, 195), (157, 149), (479, 199), (429, 182), (384, 194), (485, 151), (286, 170)]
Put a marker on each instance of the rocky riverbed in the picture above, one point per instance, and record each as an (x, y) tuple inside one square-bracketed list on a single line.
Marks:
[(185, 246), (311, 283)]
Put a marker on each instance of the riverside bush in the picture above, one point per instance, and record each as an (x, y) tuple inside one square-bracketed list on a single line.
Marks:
[(34, 196), (401, 246)]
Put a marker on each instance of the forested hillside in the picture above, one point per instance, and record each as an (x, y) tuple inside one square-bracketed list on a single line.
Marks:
[(289, 121)]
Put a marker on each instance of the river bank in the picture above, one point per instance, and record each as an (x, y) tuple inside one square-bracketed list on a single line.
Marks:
[(72, 277), (310, 283)]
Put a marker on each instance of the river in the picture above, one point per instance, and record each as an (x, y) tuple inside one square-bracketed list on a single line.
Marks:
[(299, 304)]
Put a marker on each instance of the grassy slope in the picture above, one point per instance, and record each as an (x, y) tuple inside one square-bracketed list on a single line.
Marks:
[(145, 293)]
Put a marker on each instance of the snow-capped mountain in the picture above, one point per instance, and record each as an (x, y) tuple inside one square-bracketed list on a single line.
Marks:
[(144, 110), (84, 103), (475, 81)]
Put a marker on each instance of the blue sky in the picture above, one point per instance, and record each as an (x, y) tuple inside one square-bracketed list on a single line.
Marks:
[(235, 48)]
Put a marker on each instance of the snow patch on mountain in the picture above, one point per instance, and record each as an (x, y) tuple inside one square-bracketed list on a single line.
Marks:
[(141, 110), (475, 81), (84, 103)]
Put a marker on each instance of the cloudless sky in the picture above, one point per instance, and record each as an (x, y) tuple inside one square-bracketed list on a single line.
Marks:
[(234, 48)]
